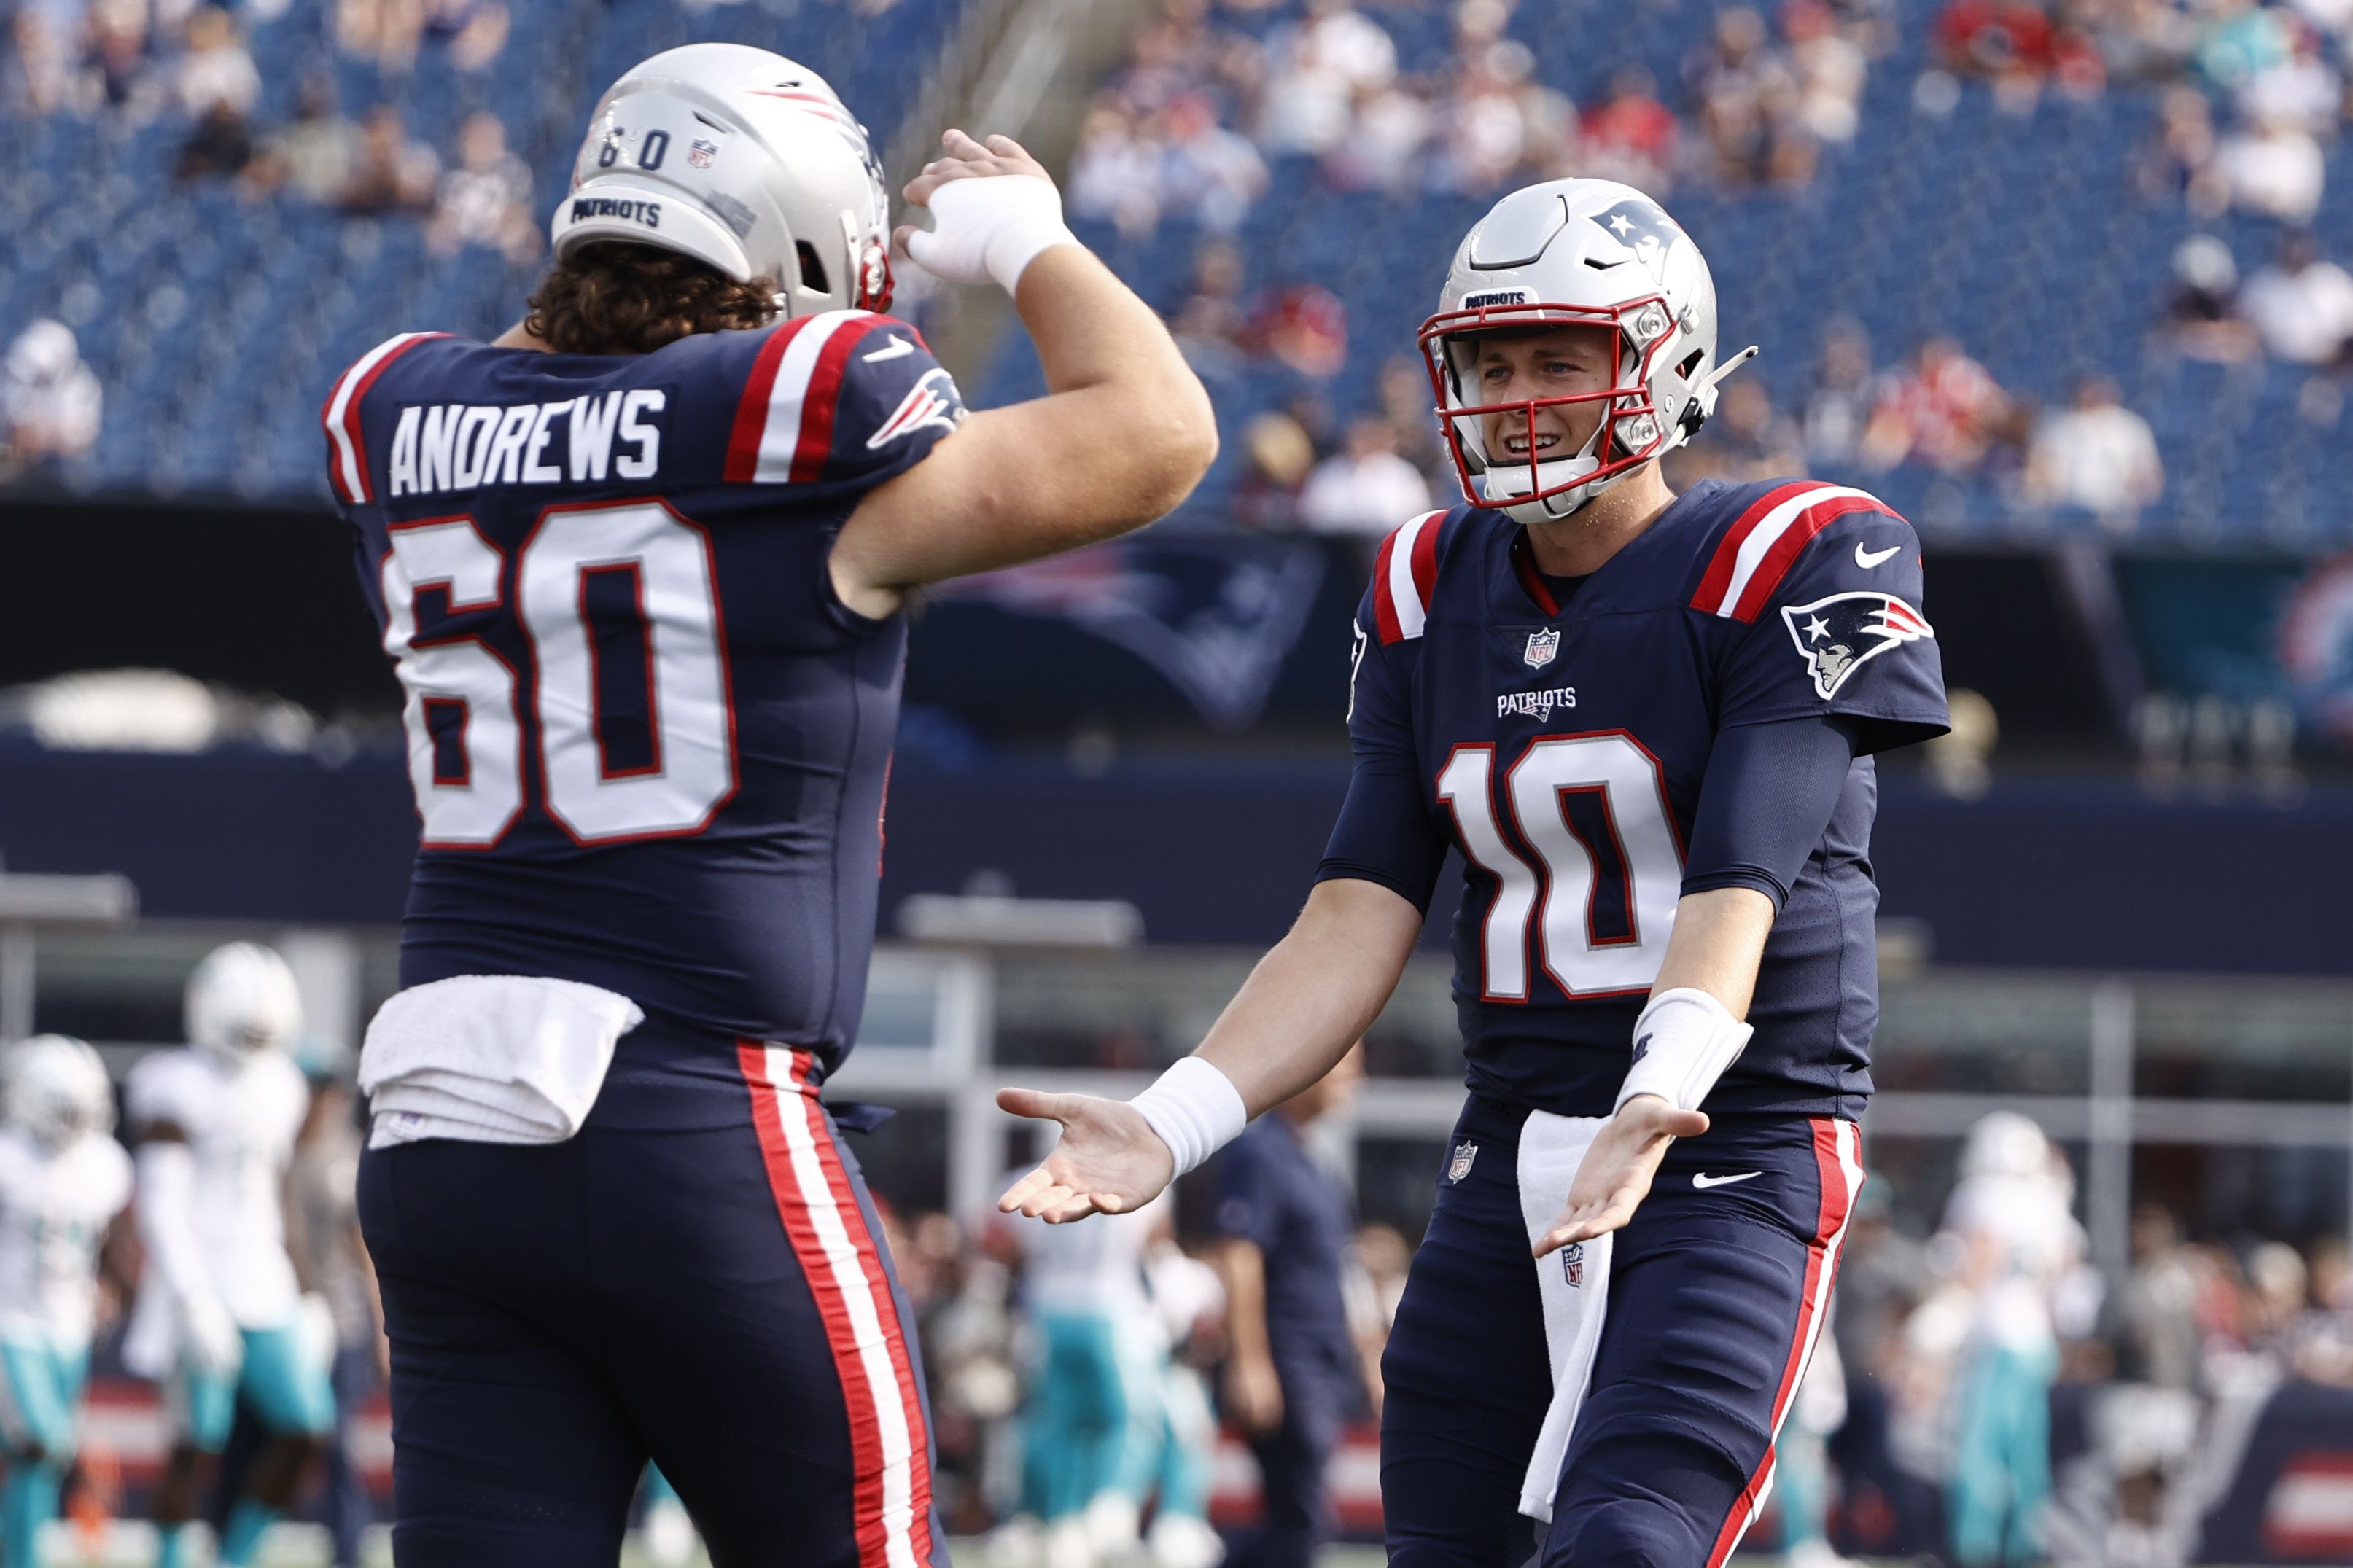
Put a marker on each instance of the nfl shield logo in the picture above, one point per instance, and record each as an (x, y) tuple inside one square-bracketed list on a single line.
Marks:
[(1572, 1264), (1460, 1166), (1541, 646), (700, 152)]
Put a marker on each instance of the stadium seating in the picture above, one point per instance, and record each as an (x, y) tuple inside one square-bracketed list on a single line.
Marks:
[(2019, 235), (215, 321)]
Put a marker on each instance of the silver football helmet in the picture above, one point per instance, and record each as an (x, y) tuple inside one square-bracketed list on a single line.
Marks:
[(241, 1000), (1568, 253), (55, 1089), (744, 160)]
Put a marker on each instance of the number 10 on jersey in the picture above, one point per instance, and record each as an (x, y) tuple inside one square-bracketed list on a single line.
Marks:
[(1582, 847)]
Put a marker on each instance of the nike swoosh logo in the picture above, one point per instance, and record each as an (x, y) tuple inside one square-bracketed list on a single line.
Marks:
[(899, 348), (1866, 559), (1702, 1181)]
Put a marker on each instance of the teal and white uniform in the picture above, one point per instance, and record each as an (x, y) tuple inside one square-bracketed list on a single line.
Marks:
[(1091, 1431), (54, 1207), (1186, 1292), (219, 1314), (2001, 1462)]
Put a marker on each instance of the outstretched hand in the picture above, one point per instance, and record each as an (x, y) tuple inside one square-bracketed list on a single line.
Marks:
[(1616, 1172), (1108, 1160)]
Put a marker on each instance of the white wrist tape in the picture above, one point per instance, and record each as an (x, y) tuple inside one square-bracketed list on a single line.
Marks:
[(990, 226), (1195, 1110), (1683, 1042)]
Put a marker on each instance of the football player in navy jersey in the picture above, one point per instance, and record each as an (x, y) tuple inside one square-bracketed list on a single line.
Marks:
[(1648, 723), (641, 564)]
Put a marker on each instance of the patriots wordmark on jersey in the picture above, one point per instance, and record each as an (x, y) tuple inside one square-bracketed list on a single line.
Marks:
[(648, 742), (1561, 747)]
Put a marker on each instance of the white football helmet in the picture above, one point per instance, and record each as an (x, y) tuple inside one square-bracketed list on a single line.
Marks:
[(745, 160), (241, 1000), (56, 1090), (1568, 253), (2004, 1143)]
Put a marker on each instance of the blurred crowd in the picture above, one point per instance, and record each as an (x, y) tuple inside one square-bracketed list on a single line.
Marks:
[(1187, 129), (1304, 468), (131, 64), (1216, 108)]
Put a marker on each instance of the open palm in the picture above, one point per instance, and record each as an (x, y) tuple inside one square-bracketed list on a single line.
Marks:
[(1616, 1172), (1108, 1160)]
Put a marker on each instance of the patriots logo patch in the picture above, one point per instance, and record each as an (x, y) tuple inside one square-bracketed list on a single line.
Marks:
[(1839, 635), (1642, 228), (932, 402)]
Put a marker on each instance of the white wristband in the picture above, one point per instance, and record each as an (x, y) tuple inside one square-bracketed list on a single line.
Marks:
[(990, 226), (1195, 1110), (1683, 1042)]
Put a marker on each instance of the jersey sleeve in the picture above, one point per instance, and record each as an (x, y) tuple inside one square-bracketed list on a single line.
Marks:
[(1385, 833), (352, 468), (844, 400), (1816, 592), (1769, 794)]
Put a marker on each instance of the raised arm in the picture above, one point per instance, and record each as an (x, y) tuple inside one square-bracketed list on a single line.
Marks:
[(1123, 435), (1310, 998)]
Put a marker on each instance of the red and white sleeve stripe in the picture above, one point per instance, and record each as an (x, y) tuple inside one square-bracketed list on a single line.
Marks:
[(347, 465), (1405, 571), (842, 1261), (784, 425), (1758, 549), (1838, 1160)]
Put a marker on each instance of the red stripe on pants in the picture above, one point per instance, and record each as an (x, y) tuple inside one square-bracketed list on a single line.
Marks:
[(768, 1109)]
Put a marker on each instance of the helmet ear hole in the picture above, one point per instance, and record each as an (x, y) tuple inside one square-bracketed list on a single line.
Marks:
[(1691, 362), (812, 267)]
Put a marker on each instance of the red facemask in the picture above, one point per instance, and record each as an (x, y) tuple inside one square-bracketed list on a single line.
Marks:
[(1628, 401)]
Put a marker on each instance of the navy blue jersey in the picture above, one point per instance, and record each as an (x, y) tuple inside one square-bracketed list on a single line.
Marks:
[(649, 746), (1561, 749)]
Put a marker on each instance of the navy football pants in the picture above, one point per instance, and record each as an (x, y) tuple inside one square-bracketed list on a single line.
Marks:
[(1716, 1295), (717, 1300)]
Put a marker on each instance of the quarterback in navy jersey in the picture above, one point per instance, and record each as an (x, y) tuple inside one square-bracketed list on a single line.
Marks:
[(640, 566), (1647, 724)]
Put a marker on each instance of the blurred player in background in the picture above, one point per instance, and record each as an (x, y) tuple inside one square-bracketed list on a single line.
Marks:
[(1091, 1425), (1647, 722), (220, 1318), (1292, 1378), (322, 1238), (1189, 1302), (2011, 1221), (63, 1183), (642, 564)]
